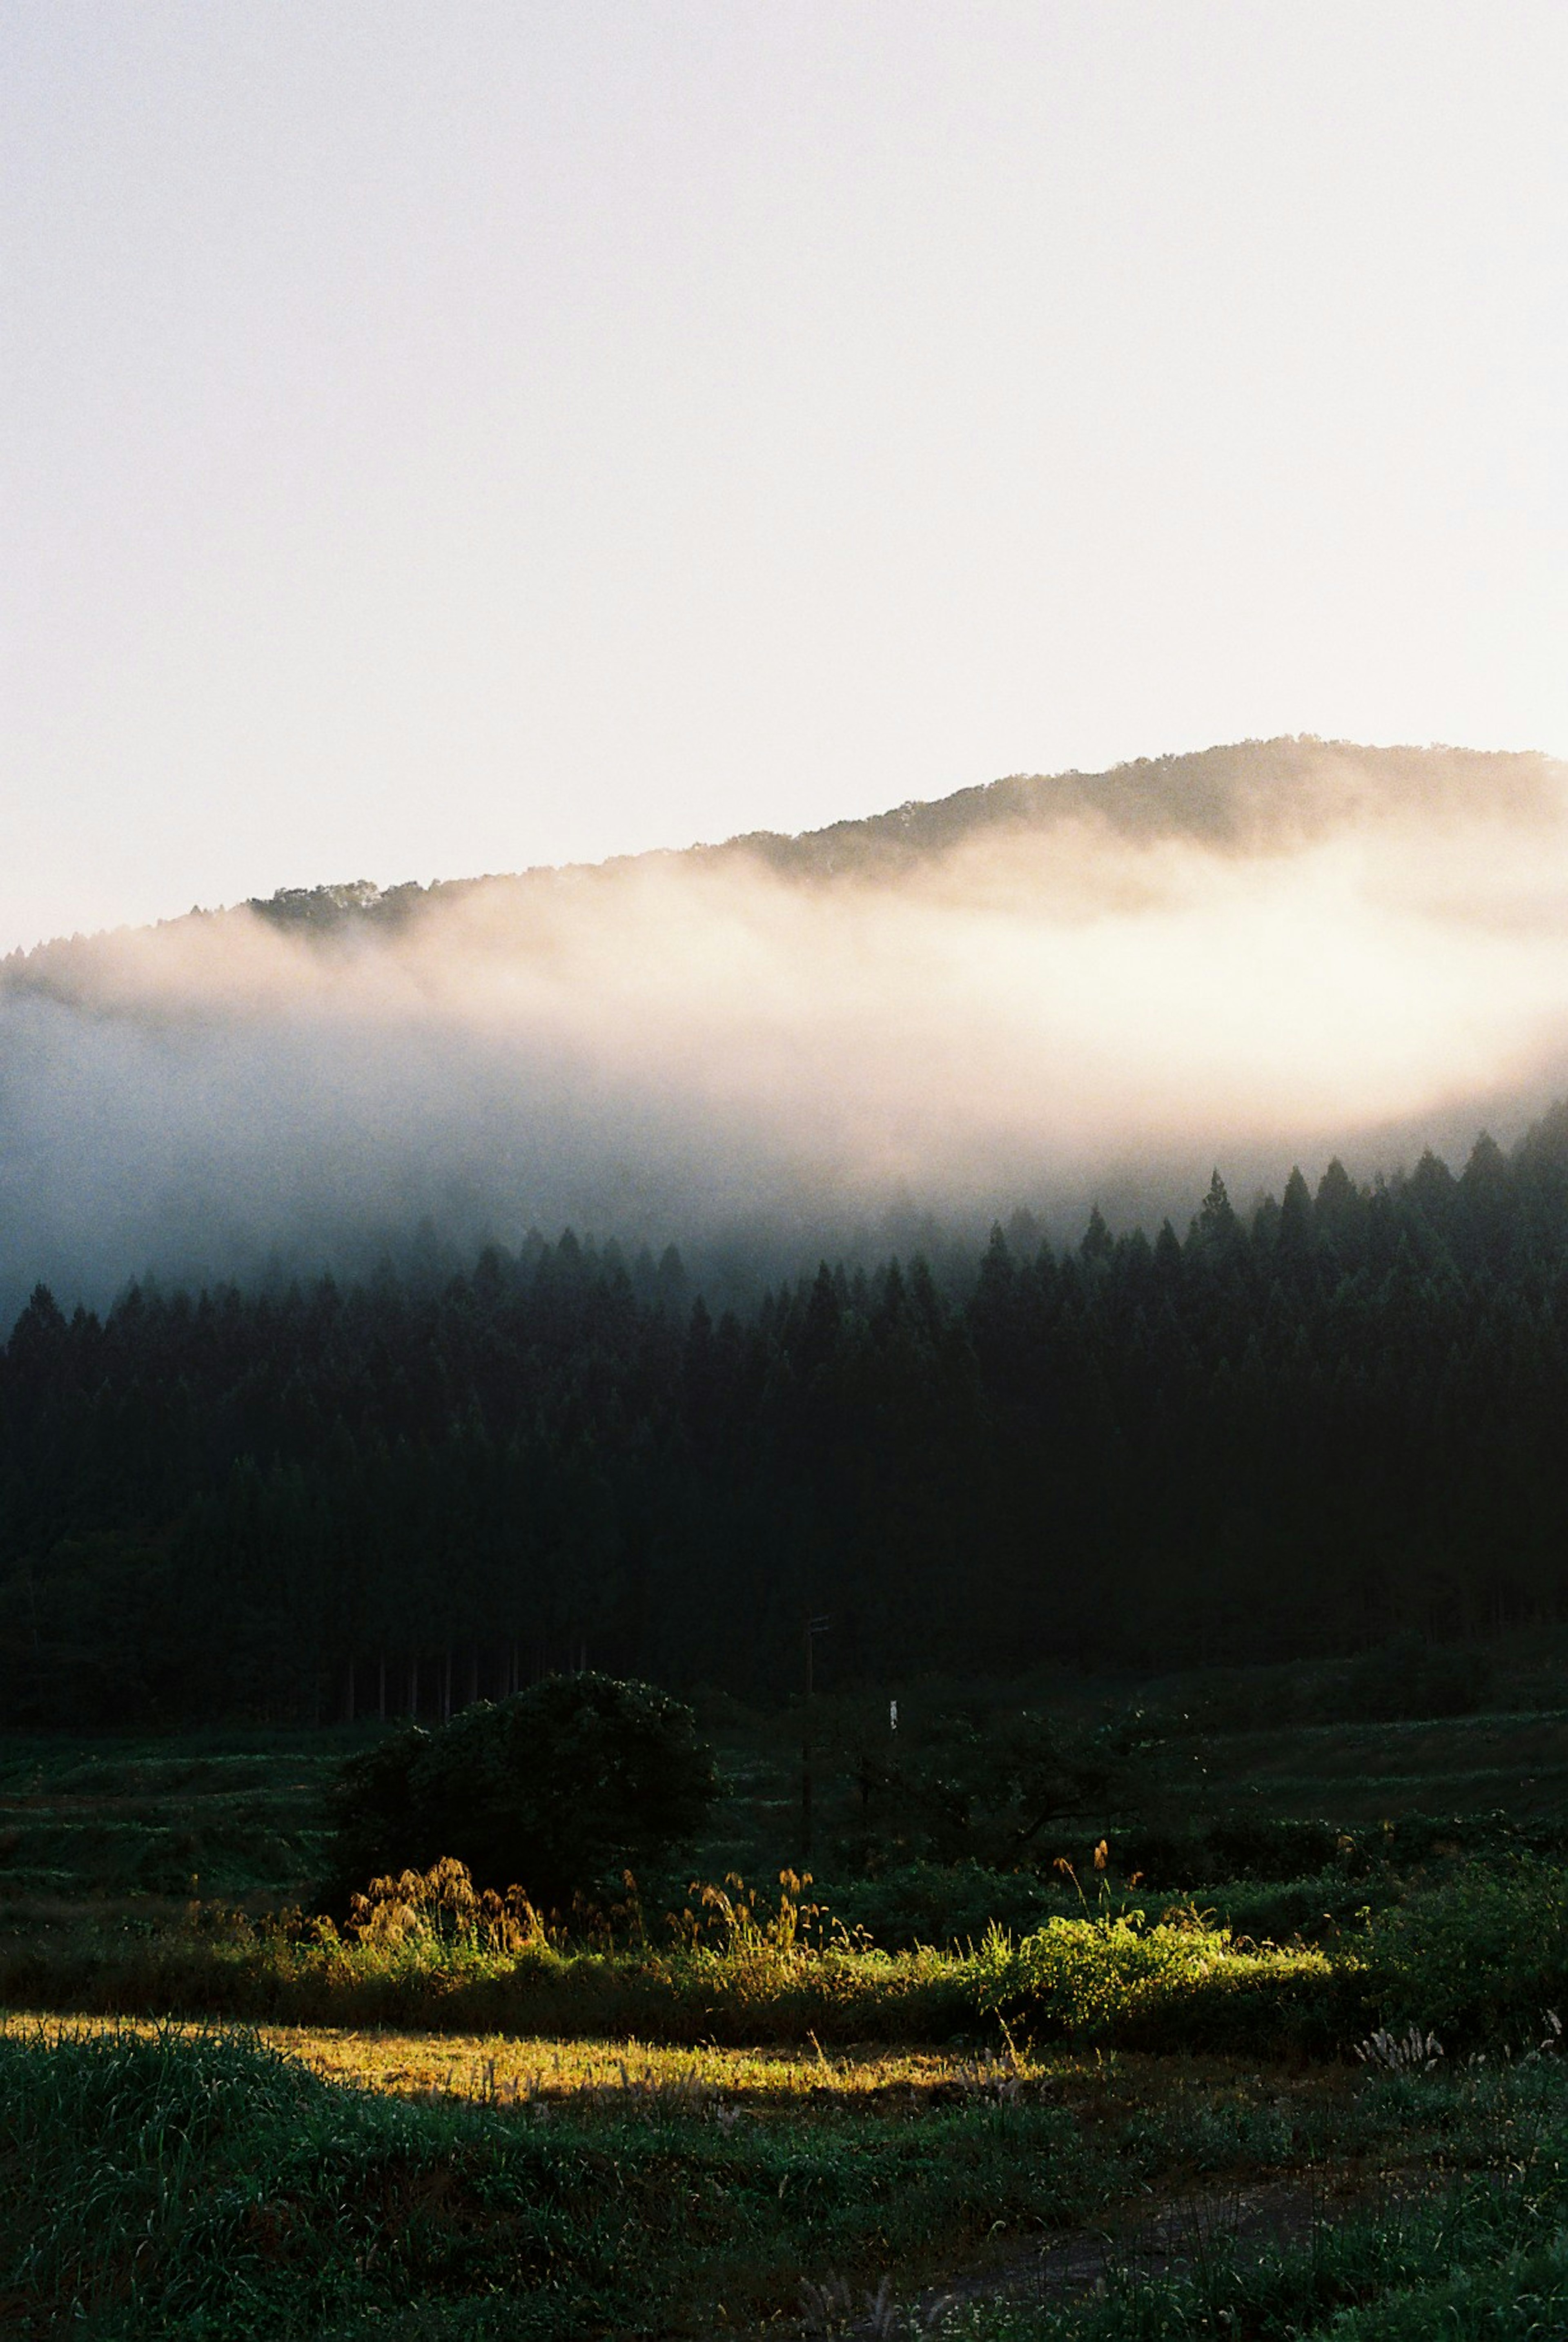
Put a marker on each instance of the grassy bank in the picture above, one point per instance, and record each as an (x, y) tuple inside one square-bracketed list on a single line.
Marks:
[(162, 2183), (1481, 1955), (153, 2183), (1167, 1985)]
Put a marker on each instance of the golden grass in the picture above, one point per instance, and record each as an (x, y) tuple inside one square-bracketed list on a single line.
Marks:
[(620, 2077), (501, 2067)]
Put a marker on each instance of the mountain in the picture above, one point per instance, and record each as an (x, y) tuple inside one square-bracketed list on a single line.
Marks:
[(1252, 798), (1044, 990)]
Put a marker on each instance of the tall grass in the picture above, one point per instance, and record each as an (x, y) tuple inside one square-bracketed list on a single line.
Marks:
[(1481, 1956), (152, 2185), (425, 1949)]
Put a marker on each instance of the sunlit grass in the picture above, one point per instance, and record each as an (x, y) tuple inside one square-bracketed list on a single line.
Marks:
[(177, 2179), (500, 2069), (1175, 1983)]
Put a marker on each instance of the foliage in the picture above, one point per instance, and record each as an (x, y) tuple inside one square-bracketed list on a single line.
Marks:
[(428, 1911), (1328, 1428), (1180, 1982), (153, 2185), (432, 1950), (986, 1786), (1479, 1956), (945, 1903), (156, 2185), (578, 1779)]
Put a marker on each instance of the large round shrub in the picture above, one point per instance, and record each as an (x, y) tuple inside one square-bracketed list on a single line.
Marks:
[(556, 1790)]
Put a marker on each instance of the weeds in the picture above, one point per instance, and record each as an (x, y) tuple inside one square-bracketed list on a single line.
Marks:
[(151, 2184), (1411, 2052), (156, 2185), (1475, 1959)]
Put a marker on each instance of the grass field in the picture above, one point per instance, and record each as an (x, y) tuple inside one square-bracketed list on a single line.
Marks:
[(1135, 2115), (209, 2183), (160, 1821), (1366, 1773)]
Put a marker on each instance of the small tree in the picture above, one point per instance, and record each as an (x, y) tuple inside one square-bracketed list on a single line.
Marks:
[(555, 1790)]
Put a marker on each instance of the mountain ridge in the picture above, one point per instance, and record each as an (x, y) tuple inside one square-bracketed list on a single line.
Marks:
[(1233, 797), (1142, 798)]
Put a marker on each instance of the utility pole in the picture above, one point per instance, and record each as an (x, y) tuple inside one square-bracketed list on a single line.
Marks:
[(813, 1627)]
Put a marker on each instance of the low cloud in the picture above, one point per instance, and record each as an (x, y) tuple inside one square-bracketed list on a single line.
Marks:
[(1032, 992)]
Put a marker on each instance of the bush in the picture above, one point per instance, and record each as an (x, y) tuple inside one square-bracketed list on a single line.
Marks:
[(1247, 1847), (945, 1903), (1481, 1956), (1177, 1984), (557, 1790)]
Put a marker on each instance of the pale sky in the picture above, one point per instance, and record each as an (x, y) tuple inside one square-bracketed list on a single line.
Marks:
[(442, 439)]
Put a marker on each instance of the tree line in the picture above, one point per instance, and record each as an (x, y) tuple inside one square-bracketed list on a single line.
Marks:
[(1293, 1431)]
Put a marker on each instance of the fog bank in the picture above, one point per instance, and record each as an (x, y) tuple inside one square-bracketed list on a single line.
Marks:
[(1036, 993)]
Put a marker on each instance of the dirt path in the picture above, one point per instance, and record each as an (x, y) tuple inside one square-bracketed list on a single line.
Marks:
[(1180, 2231)]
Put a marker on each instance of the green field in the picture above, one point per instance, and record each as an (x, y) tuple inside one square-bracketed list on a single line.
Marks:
[(1516, 1764), (1125, 2111), (155, 1821)]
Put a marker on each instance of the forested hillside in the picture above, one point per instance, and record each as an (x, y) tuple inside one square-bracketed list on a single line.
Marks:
[(1048, 988), (1249, 797), (1288, 1434)]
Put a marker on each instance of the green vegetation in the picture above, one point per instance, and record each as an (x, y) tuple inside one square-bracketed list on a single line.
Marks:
[(231, 2191), (98, 1821), (573, 1781), (1480, 1954), (1329, 1428), (425, 1951), (1108, 2102), (156, 2184)]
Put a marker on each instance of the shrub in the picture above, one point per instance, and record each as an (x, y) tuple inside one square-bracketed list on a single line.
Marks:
[(568, 1784), (945, 1903), (1246, 1846), (1179, 1983), (1480, 1956)]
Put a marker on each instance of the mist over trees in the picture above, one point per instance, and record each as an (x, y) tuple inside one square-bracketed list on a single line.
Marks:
[(1297, 1429), (1051, 989)]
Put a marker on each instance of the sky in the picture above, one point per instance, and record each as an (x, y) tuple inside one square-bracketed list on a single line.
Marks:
[(441, 439)]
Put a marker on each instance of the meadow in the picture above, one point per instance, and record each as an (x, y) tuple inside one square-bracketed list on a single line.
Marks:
[(943, 2098)]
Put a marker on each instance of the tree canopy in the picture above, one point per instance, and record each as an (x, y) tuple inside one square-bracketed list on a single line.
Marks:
[(556, 1789), (1298, 1429)]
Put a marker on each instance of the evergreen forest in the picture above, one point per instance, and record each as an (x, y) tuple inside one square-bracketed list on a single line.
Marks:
[(1292, 1432)]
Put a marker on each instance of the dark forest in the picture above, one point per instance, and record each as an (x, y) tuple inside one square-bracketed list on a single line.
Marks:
[(1288, 1432)]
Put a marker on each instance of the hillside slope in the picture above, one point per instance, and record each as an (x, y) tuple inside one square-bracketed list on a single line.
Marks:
[(1043, 989)]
